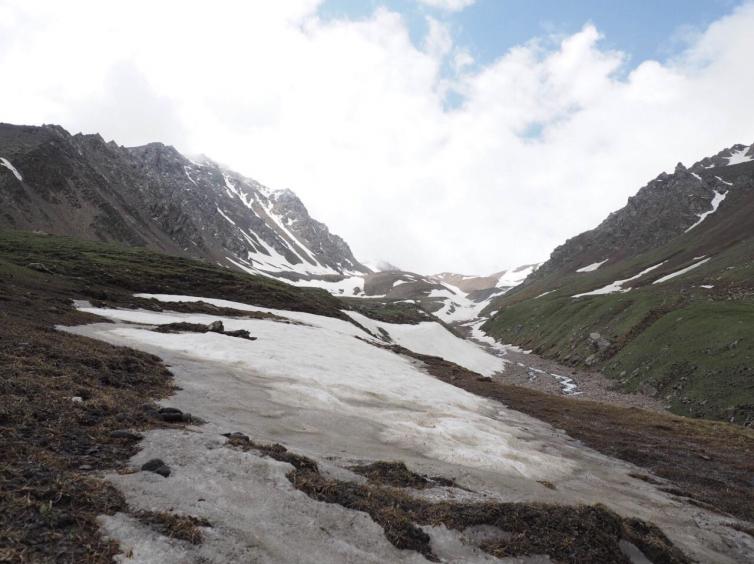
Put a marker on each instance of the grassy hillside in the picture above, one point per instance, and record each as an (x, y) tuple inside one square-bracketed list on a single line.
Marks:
[(83, 269), (689, 345)]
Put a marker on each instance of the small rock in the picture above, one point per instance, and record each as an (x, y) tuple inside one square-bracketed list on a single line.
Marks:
[(156, 466), (86, 467), (123, 434), (216, 327), (77, 399), (173, 415), (236, 436), (38, 266), (241, 334)]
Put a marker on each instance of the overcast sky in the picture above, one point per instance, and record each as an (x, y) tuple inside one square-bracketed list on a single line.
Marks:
[(436, 134)]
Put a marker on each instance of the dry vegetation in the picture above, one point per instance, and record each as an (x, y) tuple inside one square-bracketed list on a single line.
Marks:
[(581, 534)]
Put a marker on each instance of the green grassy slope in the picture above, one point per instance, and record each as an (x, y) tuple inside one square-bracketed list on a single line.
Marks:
[(84, 269), (691, 346)]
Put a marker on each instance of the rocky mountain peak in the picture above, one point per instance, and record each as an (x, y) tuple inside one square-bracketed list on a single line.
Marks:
[(666, 207), (154, 196)]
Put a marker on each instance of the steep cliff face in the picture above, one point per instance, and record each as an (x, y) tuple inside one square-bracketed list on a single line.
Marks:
[(153, 196)]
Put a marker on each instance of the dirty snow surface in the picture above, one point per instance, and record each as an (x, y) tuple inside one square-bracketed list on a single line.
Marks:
[(433, 339), (324, 389)]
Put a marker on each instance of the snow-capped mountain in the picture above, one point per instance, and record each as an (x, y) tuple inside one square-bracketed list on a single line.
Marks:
[(153, 196)]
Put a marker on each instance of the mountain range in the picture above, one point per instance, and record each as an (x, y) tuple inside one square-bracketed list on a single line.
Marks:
[(152, 196), (657, 297)]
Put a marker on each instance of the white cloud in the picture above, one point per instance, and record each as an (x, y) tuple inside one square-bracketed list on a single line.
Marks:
[(354, 117), (448, 5)]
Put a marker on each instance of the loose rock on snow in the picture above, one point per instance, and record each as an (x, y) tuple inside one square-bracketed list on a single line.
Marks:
[(157, 466)]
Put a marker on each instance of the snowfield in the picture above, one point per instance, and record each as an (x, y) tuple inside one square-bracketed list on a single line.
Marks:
[(324, 390), (322, 364), (433, 339)]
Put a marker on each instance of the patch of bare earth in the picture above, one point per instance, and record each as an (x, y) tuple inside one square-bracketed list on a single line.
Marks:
[(68, 408)]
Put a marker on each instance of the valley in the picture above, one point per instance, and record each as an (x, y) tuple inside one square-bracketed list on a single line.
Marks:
[(319, 380), (213, 376)]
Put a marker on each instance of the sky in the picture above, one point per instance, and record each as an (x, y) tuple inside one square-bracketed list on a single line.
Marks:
[(439, 135)]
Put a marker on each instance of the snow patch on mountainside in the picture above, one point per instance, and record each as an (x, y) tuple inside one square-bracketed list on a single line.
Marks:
[(680, 272), (617, 286), (510, 278), (716, 201), (7, 164), (739, 157), (592, 267)]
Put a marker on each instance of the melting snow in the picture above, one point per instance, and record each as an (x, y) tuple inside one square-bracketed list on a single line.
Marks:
[(680, 272), (716, 201), (617, 286), (433, 339), (592, 267), (320, 365), (6, 163)]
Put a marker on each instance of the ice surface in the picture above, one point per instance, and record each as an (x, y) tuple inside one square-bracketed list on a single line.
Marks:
[(680, 272), (6, 163)]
